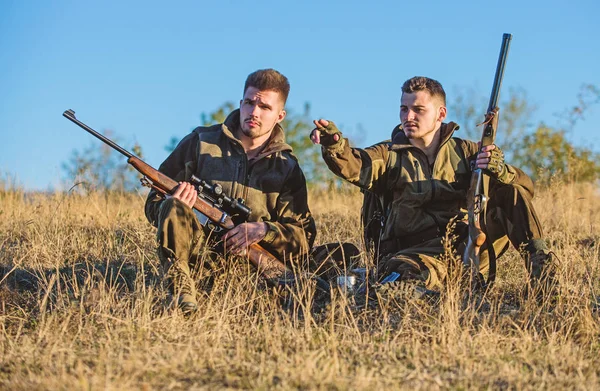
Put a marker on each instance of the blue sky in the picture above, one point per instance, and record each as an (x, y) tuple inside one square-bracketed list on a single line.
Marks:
[(147, 70)]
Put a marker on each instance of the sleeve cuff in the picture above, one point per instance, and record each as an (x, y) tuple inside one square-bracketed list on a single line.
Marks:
[(272, 232), (335, 149), (509, 175)]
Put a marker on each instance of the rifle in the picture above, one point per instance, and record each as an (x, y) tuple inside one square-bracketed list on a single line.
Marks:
[(478, 194), (211, 207)]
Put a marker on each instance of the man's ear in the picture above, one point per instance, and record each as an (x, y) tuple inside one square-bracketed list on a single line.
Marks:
[(241, 100), (281, 116), (442, 112)]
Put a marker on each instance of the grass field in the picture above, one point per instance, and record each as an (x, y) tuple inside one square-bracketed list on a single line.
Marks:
[(80, 308)]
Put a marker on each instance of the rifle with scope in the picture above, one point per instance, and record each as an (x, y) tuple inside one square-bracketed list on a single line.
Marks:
[(212, 207)]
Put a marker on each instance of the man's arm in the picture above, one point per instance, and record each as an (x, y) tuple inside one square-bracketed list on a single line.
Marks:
[(173, 167), (361, 167), (293, 231), (491, 159)]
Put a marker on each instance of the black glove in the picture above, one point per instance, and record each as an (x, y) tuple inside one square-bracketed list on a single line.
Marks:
[(327, 134), (497, 167)]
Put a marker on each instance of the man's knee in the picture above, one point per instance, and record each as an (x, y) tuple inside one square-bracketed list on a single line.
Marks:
[(174, 209), (512, 195), (178, 229)]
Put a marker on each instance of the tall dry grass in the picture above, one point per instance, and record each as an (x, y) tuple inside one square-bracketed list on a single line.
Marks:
[(80, 308)]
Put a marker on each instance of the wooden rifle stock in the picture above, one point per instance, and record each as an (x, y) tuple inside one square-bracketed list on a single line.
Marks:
[(477, 196), (267, 264)]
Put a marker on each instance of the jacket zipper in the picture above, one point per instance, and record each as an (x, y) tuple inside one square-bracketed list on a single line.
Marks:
[(246, 184), (417, 176), (236, 180), (432, 182), (419, 189)]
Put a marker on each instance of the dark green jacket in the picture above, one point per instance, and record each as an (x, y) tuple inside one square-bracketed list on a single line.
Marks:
[(418, 198), (272, 185)]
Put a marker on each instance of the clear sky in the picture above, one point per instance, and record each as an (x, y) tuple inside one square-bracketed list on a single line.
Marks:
[(146, 70)]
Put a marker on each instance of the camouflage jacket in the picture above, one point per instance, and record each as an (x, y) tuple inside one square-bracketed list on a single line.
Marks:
[(418, 199), (272, 184)]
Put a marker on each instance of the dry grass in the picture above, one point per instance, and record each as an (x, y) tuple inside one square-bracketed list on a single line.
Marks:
[(80, 309)]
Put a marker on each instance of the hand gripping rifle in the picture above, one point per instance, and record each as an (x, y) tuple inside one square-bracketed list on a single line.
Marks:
[(478, 194), (214, 207)]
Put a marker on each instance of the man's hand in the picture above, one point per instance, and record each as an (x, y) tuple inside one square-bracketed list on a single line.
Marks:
[(491, 159), (186, 193), (242, 236), (325, 133)]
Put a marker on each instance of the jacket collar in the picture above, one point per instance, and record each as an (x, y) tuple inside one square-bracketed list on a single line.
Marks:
[(275, 144), (400, 141)]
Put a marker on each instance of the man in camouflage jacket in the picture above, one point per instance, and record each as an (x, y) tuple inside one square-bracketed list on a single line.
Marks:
[(246, 155), (421, 178)]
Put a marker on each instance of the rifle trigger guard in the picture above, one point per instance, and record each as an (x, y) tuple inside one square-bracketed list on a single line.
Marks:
[(206, 222)]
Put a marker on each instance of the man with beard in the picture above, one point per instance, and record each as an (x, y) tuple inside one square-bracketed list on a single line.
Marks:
[(247, 156), (420, 180)]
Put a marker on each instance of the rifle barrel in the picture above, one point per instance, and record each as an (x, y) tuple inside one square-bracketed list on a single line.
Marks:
[(70, 115), (499, 71)]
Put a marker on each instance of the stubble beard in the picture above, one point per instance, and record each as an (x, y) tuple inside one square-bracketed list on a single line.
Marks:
[(252, 132)]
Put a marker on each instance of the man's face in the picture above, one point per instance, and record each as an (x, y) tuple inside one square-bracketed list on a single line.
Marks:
[(260, 111), (421, 114)]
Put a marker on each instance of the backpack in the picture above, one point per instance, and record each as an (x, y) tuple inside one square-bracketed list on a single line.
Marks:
[(372, 221)]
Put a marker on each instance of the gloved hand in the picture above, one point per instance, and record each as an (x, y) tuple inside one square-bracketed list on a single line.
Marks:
[(496, 166), (491, 159), (325, 133)]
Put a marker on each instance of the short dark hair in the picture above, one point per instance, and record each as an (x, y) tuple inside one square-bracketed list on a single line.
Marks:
[(269, 79), (422, 83)]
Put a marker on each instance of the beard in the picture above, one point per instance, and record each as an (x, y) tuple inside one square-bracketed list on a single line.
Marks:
[(253, 132), (256, 130)]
